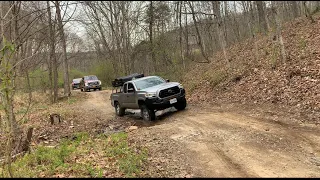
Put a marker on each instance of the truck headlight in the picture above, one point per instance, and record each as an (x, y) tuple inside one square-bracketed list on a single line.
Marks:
[(86, 84), (149, 95), (99, 82), (180, 86)]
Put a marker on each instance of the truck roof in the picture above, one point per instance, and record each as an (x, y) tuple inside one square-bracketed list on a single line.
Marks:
[(135, 80)]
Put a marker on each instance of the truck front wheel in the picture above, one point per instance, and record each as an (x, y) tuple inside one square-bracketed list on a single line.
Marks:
[(181, 105), (119, 111), (147, 114)]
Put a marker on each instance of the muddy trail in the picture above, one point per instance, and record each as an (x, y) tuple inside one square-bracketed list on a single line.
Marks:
[(218, 142)]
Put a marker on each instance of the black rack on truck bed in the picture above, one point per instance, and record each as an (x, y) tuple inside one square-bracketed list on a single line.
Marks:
[(118, 82)]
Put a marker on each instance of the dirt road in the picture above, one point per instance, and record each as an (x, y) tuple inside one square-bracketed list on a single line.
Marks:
[(214, 142)]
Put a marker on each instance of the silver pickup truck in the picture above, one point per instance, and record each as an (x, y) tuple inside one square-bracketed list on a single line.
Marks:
[(149, 94)]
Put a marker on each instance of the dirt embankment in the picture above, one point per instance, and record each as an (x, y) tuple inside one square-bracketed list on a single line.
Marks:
[(258, 76)]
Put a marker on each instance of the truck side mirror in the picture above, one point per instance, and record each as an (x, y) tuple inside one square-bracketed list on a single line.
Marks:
[(167, 80)]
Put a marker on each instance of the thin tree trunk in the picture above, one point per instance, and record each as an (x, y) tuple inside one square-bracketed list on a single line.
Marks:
[(64, 51), (49, 62), (180, 33), (262, 18), (295, 9), (52, 56), (308, 14), (186, 32), (198, 33), (278, 31), (153, 58), (216, 10)]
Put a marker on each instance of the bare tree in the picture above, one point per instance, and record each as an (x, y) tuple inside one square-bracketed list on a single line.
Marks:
[(276, 11), (67, 91), (217, 12), (53, 67), (262, 17)]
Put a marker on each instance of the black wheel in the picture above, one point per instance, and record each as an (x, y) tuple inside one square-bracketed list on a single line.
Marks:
[(119, 111), (100, 89), (81, 89), (147, 114), (181, 105)]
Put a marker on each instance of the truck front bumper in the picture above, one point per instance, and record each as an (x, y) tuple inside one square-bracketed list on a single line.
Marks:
[(93, 87), (160, 104)]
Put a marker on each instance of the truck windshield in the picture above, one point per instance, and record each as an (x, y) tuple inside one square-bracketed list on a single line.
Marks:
[(90, 78), (76, 80), (149, 82)]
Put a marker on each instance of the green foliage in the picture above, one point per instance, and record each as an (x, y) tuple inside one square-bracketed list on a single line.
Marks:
[(74, 74), (302, 44), (216, 77), (129, 161), (44, 159), (72, 100), (105, 73), (274, 56), (50, 161), (38, 80)]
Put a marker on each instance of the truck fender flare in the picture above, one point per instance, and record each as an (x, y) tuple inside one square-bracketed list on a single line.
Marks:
[(141, 101)]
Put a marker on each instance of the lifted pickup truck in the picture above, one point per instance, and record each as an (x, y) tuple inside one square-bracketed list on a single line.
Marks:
[(149, 94)]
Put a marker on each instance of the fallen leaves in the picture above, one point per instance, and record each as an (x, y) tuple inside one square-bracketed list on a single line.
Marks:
[(293, 84)]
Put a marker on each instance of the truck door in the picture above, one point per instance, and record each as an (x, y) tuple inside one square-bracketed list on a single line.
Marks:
[(123, 96), (130, 96)]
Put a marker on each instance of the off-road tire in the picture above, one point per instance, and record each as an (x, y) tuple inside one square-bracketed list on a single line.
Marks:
[(147, 114), (181, 105), (119, 111)]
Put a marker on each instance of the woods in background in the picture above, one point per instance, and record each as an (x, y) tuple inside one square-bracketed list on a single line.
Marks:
[(41, 50)]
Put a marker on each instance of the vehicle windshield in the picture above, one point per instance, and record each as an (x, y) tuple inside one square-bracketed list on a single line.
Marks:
[(76, 80), (149, 82), (90, 78)]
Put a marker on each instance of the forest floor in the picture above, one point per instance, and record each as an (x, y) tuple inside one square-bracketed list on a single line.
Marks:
[(201, 141)]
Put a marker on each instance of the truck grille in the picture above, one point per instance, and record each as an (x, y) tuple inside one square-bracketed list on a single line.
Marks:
[(169, 92), (93, 83)]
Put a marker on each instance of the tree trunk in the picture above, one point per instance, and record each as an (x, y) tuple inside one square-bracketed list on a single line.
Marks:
[(262, 18), (180, 33), (186, 32), (198, 33), (64, 51), (216, 10), (295, 9), (49, 62), (153, 59), (52, 56), (278, 32), (308, 14)]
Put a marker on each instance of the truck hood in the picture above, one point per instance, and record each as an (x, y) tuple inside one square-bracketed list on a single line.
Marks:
[(154, 89)]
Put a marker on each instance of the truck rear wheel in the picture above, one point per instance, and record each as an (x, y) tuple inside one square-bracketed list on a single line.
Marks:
[(147, 114), (119, 111)]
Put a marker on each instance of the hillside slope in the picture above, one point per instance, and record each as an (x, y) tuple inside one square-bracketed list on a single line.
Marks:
[(265, 80)]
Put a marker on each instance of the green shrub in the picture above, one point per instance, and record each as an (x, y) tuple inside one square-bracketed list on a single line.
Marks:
[(105, 73), (216, 77)]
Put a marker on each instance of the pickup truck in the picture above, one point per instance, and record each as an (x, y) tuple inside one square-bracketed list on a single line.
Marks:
[(90, 82), (148, 94)]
